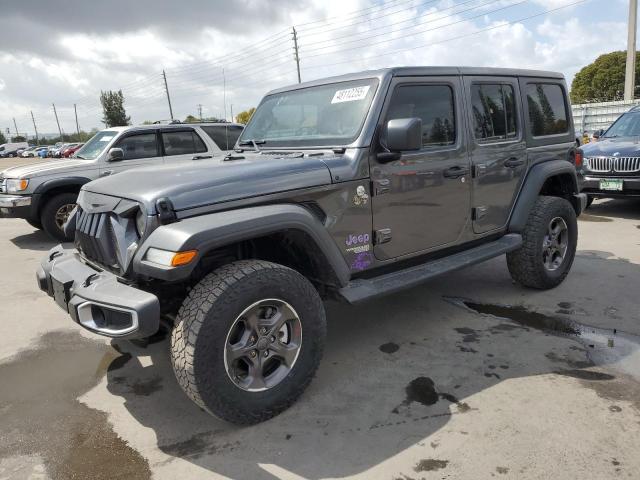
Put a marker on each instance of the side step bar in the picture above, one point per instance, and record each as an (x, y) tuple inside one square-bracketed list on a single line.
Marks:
[(363, 289)]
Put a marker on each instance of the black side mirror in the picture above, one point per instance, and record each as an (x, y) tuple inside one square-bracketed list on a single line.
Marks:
[(115, 155), (402, 134)]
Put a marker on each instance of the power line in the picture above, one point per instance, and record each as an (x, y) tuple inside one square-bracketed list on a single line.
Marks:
[(415, 47)]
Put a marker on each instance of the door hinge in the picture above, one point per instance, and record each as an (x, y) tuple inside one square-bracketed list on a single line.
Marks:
[(382, 236), (381, 186), (479, 170), (479, 212)]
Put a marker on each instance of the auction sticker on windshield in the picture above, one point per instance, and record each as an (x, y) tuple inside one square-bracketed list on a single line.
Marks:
[(350, 94), (106, 139)]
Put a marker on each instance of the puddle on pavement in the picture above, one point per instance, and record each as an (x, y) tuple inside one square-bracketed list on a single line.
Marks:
[(422, 390), (608, 347), (41, 416)]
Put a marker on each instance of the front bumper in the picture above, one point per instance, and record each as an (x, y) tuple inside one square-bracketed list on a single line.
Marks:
[(630, 186), (15, 206), (95, 299)]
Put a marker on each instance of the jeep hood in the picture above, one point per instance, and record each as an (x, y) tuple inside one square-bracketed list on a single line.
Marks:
[(47, 168), (608, 147), (197, 184)]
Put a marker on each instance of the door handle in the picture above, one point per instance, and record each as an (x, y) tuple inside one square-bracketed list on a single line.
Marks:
[(514, 162), (201, 157), (106, 173), (455, 172)]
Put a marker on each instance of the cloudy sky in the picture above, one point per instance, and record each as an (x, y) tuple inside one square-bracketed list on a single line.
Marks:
[(66, 51)]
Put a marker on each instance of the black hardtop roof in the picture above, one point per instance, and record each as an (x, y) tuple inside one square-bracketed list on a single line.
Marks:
[(425, 71)]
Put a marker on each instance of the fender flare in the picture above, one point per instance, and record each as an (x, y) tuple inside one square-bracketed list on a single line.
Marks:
[(46, 186), (215, 230), (533, 183)]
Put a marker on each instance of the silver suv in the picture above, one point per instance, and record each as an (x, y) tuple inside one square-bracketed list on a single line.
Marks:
[(45, 193)]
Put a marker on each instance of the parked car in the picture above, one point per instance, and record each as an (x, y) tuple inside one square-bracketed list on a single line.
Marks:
[(11, 149), (45, 193), (32, 151), (65, 148), (71, 149), (610, 167), (346, 188)]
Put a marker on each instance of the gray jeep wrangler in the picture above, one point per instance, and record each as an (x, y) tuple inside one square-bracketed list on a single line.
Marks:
[(343, 188)]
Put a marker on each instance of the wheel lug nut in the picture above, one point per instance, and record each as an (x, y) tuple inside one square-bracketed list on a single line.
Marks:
[(263, 330), (253, 353), (266, 353), (273, 339)]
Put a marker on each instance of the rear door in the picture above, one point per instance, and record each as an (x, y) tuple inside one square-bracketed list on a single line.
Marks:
[(224, 136), (182, 145), (140, 148), (497, 146)]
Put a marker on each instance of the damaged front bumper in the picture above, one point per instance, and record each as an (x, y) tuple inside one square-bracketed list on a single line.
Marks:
[(96, 299)]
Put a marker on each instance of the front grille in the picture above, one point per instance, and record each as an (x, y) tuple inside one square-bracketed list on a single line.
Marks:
[(3, 184), (94, 238), (613, 164)]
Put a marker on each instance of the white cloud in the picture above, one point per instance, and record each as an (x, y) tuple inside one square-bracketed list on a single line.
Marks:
[(77, 65)]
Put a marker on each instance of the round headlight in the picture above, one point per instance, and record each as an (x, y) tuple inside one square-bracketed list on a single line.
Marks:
[(141, 222)]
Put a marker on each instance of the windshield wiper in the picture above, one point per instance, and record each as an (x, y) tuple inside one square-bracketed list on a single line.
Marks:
[(255, 143)]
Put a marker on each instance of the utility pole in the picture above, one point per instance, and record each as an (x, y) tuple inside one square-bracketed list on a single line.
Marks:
[(630, 73), (166, 87), (75, 110), (224, 93), (34, 127), (15, 126), (57, 121), (200, 111), (296, 54), (232, 113)]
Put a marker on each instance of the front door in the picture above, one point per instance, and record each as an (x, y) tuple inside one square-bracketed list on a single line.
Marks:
[(498, 148), (422, 201), (139, 149)]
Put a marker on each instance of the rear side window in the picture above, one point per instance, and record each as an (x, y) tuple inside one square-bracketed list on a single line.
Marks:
[(494, 112), (434, 104), (143, 145), (182, 143), (224, 136), (547, 109)]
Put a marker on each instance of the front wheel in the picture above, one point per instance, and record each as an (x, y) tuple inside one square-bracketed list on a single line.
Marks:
[(248, 340), (55, 214), (549, 245)]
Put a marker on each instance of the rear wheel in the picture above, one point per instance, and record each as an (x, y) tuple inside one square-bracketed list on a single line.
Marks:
[(55, 214), (549, 245), (248, 340)]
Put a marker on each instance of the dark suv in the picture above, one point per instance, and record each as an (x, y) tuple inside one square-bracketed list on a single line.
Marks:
[(610, 167), (344, 188)]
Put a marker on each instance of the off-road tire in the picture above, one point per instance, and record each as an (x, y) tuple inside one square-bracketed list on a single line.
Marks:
[(34, 223), (200, 333), (526, 264), (48, 215)]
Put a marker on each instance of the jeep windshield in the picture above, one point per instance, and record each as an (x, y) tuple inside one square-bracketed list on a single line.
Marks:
[(96, 145), (326, 115), (628, 125)]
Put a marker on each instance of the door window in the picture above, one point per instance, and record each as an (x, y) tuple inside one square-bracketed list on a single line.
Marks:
[(547, 109), (224, 136), (433, 104), (182, 143), (142, 145), (494, 112)]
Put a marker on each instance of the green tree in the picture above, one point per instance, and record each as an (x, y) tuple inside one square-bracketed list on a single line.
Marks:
[(244, 117), (18, 138), (113, 112), (3, 139), (602, 80)]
